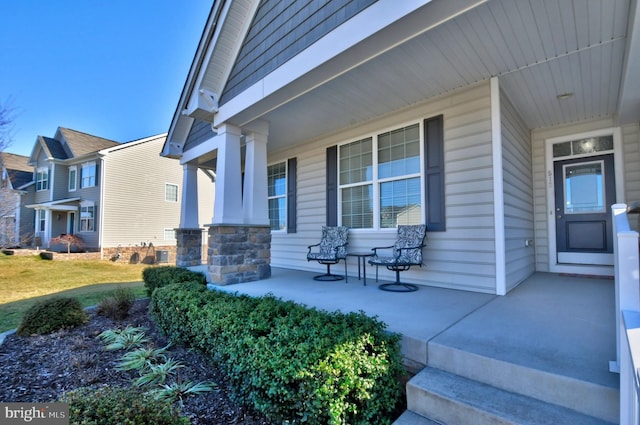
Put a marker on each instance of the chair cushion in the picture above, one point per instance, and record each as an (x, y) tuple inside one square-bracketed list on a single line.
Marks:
[(334, 239), (410, 236)]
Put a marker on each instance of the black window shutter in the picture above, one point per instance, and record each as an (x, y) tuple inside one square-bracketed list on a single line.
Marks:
[(292, 175), (332, 186), (434, 167)]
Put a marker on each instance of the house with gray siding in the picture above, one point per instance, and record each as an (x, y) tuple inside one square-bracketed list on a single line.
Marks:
[(16, 191), (121, 199), (508, 127)]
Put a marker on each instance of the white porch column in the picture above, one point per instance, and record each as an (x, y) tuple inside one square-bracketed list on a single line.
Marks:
[(228, 199), (255, 206), (189, 211)]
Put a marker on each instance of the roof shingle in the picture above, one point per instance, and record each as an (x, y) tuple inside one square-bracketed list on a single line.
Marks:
[(18, 168), (82, 143)]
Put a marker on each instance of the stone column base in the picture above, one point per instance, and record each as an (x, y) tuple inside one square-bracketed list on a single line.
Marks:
[(239, 253), (189, 247)]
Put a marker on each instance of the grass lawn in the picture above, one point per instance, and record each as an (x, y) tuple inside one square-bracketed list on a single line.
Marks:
[(27, 279)]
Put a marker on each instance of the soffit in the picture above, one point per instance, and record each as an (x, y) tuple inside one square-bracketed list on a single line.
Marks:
[(538, 48)]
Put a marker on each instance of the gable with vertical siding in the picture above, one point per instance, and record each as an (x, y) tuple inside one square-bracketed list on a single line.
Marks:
[(280, 30)]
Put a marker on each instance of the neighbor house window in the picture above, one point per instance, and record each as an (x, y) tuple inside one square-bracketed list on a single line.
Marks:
[(277, 195), (42, 220), (42, 179), (88, 174), (73, 178), (379, 180), (87, 217), (171, 192), (169, 234)]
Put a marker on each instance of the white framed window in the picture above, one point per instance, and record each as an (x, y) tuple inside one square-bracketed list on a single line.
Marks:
[(87, 216), (380, 184), (171, 192), (42, 179), (88, 174), (277, 195), (42, 220), (73, 178), (169, 234)]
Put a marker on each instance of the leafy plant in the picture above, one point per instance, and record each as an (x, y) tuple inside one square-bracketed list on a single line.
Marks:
[(115, 406), (142, 358), (51, 315), (121, 339), (158, 373), (178, 391)]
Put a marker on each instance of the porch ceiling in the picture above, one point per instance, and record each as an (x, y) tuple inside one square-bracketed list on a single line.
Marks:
[(538, 49)]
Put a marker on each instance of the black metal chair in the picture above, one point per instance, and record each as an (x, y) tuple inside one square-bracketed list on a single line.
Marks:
[(331, 249), (406, 252)]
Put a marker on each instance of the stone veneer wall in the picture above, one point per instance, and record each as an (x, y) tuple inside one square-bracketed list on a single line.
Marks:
[(189, 247), (239, 253), (138, 254)]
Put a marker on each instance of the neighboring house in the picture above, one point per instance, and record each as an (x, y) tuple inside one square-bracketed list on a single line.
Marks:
[(16, 191), (120, 198), (511, 125)]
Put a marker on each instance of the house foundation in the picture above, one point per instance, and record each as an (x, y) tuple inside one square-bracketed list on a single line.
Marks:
[(189, 247), (239, 253)]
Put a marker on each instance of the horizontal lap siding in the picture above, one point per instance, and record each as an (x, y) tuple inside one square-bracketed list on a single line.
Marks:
[(631, 146), (289, 250), (518, 195), (60, 175), (91, 239), (200, 132), (463, 256), (541, 209), (135, 209)]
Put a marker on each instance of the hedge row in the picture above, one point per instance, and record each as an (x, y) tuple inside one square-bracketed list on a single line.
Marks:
[(157, 277), (294, 364)]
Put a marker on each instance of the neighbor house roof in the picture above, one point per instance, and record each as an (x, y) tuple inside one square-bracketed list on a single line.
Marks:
[(53, 148), (82, 143), (18, 169), (69, 144)]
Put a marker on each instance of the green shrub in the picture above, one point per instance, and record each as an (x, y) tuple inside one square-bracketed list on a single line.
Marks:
[(52, 314), (117, 305), (115, 406), (157, 277), (293, 364)]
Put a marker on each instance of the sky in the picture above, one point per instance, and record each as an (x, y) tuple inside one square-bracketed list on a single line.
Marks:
[(110, 68)]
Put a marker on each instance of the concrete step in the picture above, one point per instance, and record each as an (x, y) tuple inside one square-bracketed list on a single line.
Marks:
[(592, 399), (411, 418), (454, 400)]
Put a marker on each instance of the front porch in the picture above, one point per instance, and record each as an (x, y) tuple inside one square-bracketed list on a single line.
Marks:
[(550, 339)]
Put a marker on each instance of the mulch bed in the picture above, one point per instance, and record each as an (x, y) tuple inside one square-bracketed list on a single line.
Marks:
[(41, 368)]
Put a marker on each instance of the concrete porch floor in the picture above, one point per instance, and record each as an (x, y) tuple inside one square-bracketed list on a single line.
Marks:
[(558, 324)]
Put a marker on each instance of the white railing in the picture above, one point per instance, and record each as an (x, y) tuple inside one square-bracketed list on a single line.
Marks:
[(627, 281)]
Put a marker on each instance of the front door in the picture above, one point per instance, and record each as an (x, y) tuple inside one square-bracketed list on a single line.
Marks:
[(584, 192), (71, 224)]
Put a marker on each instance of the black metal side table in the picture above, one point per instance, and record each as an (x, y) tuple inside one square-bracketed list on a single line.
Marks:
[(361, 256)]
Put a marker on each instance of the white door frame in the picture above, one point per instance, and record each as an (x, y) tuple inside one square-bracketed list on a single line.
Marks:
[(598, 270)]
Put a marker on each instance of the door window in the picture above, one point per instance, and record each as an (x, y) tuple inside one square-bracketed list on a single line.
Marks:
[(584, 188)]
